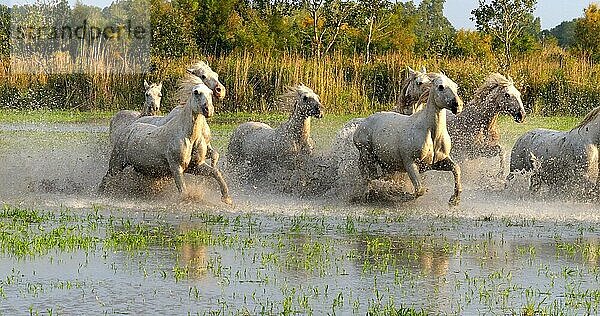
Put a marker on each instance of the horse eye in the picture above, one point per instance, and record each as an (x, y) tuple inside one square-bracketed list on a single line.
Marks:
[(203, 77), (196, 92), (305, 98), (419, 83), (441, 87), (506, 95), (160, 95)]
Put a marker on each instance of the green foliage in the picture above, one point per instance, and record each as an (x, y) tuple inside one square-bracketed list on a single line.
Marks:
[(473, 44), (587, 30), (171, 32), (564, 33), (4, 31), (505, 21), (434, 32)]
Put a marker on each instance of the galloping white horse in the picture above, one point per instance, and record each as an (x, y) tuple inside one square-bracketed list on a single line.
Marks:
[(565, 160), (412, 144), (202, 71), (159, 151), (474, 132), (257, 145), (151, 107)]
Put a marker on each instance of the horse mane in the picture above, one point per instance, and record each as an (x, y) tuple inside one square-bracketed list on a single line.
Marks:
[(589, 117), (199, 65), (289, 97), (402, 102), (490, 86), (186, 84)]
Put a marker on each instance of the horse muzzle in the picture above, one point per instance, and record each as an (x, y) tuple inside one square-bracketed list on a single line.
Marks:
[(207, 112), (519, 116), (456, 106), (318, 114), (219, 92)]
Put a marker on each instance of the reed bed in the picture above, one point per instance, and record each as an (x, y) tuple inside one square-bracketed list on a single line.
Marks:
[(553, 82)]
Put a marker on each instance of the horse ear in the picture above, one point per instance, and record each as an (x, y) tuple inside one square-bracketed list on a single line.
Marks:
[(159, 85), (206, 62), (423, 70), (410, 70), (146, 85), (190, 71)]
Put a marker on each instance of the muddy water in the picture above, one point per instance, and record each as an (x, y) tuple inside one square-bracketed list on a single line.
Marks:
[(501, 251)]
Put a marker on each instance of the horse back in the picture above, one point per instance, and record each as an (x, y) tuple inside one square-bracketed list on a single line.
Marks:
[(120, 122)]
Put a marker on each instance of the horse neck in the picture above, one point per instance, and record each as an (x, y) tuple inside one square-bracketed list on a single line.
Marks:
[(590, 131), (190, 122), (146, 110), (433, 118), (298, 126), (477, 116)]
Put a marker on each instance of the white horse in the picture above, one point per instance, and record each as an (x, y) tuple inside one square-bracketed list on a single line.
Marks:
[(411, 89), (566, 161), (210, 78), (257, 145), (203, 72), (412, 144), (474, 132), (159, 151), (151, 107)]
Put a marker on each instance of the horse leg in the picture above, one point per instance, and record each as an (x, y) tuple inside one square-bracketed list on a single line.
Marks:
[(213, 154), (367, 164), (115, 165), (204, 169), (413, 173), (449, 165), (177, 171)]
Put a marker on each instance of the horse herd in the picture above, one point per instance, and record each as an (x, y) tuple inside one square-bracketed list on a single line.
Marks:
[(427, 130)]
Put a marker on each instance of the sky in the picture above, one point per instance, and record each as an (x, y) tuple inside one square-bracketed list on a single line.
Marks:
[(551, 12)]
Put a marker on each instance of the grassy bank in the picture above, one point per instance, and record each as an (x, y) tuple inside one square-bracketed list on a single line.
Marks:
[(552, 81)]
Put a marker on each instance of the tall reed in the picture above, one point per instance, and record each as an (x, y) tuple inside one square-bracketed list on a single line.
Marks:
[(552, 81)]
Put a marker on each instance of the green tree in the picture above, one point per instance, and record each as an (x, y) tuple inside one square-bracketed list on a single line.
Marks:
[(327, 17), (564, 33), (505, 21), (434, 32), (587, 30), (4, 31), (172, 34), (473, 44)]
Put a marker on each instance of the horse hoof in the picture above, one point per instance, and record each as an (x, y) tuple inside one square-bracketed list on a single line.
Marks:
[(454, 201), (227, 200)]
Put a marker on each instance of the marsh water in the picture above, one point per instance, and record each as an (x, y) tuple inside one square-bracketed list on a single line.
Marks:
[(68, 250)]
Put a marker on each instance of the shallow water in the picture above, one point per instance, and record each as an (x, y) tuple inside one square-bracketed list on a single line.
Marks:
[(501, 251)]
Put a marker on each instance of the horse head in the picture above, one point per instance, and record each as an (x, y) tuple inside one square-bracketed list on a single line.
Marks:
[(209, 77), (445, 93), (308, 103), (201, 101), (510, 100), (152, 98), (415, 83)]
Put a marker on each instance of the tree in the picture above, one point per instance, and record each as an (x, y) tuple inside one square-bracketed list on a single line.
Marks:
[(327, 18), (434, 31), (587, 30), (564, 33), (172, 34), (504, 20), (4, 30)]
